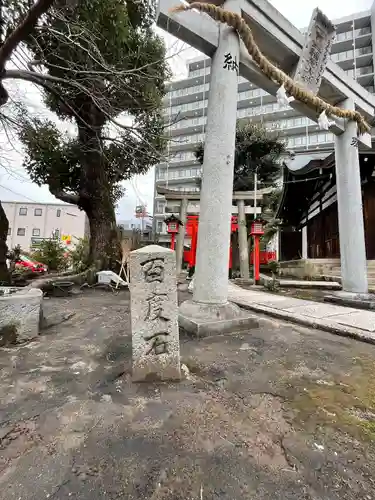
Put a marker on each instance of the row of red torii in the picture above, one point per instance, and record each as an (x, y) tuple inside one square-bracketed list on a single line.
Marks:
[(186, 225)]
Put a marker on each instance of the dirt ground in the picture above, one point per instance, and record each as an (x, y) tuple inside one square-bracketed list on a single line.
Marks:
[(278, 412)]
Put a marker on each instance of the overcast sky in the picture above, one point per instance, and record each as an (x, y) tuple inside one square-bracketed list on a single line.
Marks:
[(14, 182)]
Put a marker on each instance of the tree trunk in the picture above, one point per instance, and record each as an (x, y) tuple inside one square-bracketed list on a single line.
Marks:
[(97, 195), (4, 226), (104, 248)]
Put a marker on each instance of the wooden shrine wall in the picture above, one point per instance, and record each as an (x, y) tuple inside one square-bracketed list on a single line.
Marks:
[(323, 232)]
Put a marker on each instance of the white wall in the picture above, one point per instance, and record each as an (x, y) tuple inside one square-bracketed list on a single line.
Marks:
[(71, 221)]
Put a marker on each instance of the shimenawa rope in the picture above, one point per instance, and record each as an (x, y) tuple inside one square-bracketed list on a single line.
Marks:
[(272, 72)]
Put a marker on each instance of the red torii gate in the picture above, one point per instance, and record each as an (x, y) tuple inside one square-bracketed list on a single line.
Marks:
[(192, 222)]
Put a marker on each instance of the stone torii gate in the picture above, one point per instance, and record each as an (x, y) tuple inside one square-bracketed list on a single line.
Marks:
[(295, 54)]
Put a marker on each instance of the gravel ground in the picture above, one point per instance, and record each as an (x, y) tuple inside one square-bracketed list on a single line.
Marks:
[(278, 412)]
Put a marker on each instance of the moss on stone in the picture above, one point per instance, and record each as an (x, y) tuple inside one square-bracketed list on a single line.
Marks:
[(8, 334)]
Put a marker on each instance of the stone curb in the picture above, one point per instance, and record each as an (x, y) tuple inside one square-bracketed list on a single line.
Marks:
[(321, 324)]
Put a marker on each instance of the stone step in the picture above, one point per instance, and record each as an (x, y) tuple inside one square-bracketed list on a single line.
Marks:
[(371, 281), (337, 272), (336, 264), (329, 285)]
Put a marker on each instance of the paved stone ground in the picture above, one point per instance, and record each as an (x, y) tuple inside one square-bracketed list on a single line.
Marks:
[(331, 317), (279, 412)]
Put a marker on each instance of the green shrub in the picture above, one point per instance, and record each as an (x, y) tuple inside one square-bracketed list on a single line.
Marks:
[(273, 266), (52, 254), (79, 256)]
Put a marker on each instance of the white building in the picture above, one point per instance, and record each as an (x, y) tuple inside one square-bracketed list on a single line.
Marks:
[(30, 223)]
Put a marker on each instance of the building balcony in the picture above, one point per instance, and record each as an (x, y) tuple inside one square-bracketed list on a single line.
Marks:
[(178, 163), (172, 209), (158, 211), (350, 54), (361, 20), (196, 125), (364, 75), (190, 118), (344, 41), (288, 126), (188, 112), (178, 180), (188, 94), (185, 188), (246, 97), (177, 88), (329, 146), (363, 57), (191, 126), (186, 145)]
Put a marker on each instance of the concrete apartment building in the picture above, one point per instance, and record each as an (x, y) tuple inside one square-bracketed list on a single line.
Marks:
[(141, 225), (29, 223), (185, 107)]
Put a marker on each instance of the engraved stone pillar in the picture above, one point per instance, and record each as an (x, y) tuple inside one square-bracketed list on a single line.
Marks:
[(154, 323)]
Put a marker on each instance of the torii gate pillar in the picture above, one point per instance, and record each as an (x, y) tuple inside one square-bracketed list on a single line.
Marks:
[(210, 311), (350, 212)]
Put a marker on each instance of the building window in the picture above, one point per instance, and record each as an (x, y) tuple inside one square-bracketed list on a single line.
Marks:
[(21, 231), (9, 231), (160, 227), (58, 212), (23, 211), (37, 212), (36, 232)]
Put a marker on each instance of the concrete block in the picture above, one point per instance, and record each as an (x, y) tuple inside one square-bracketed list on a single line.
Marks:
[(20, 315), (328, 285), (202, 320), (347, 299)]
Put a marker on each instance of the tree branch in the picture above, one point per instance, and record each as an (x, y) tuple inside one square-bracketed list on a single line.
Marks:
[(23, 29), (43, 81), (63, 196)]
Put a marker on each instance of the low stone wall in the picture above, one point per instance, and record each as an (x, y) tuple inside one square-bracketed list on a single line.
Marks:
[(20, 316), (309, 269)]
